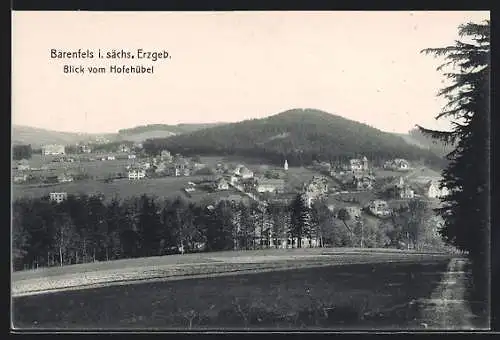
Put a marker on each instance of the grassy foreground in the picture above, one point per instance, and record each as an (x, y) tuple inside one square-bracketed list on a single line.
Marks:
[(356, 296)]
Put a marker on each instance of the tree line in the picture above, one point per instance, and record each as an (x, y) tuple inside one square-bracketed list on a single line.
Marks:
[(87, 228), (21, 151)]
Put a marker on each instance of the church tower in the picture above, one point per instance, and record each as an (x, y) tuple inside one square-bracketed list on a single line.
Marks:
[(286, 165)]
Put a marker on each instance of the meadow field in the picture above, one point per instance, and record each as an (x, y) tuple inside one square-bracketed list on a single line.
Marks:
[(337, 289), (163, 188)]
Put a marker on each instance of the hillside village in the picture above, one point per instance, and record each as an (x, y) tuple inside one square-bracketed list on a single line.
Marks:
[(355, 187)]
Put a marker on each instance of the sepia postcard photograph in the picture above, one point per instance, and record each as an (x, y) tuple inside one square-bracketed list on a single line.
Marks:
[(274, 171)]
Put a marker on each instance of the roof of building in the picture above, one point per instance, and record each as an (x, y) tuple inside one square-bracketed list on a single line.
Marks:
[(245, 170)]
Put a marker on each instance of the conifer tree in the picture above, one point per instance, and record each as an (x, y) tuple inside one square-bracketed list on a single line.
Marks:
[(301, 219), (465, 209)]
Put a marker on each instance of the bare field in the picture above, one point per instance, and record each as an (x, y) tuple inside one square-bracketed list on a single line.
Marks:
[(205, 264), (362, 296)]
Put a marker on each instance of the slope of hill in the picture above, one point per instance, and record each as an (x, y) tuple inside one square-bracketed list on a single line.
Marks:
[(415, 137), (144, 135), (38, 137), (300, 135), (169, 130)]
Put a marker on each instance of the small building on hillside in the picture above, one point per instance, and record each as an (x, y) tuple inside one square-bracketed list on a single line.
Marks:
[(190, 187), (64, 178), (111, 157), (246, 173), (243, 172), (234, 180), (397, 164), (132, 156), (270, 185), (379, 208), (363, 182), (85, 148), (23, 165), (403, 190), (166, 156), (357, 164), (124, 148), (432, 190), (177, 170), (20, 178), (173, 171), (135, 173), (222, 184), (53, 149), (58, 196)]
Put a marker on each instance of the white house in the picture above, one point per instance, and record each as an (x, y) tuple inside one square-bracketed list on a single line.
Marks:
[(433, 190), (379, 208), (111, 158), (356, 164), (58, 196), (124, 148), (270, 185), (136, 174), (285, 166), (63, 178), (53, 149), (397, 164), (131, 156), (23, 165), (85, 148), (20, 178), (403, 190), (190, 187), (222, 184)]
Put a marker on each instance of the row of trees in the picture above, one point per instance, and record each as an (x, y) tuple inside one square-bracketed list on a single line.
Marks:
[(85, 229), (21, 151)]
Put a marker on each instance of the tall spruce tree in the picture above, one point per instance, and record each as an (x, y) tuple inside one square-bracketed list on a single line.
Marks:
[(465, 209), (301, 219)]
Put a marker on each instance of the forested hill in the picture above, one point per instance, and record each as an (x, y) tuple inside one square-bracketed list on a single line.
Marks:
[(299, 135)]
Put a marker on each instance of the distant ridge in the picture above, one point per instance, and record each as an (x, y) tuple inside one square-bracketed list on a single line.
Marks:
[(38, 137)]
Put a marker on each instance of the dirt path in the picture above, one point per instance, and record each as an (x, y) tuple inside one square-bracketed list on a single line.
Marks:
[(447, 308)]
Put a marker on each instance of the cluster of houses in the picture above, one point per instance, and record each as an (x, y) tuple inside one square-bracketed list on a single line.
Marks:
[(23, 172), (164, 165), (397, 164)]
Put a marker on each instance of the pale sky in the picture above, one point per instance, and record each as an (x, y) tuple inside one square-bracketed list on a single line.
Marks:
[(230, 66)]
